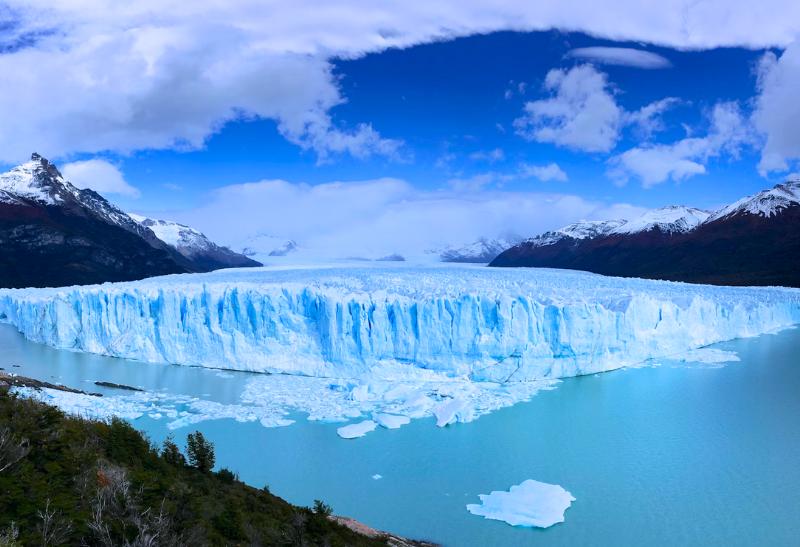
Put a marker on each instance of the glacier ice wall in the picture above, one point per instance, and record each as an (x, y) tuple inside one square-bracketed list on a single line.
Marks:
[(480, 323)]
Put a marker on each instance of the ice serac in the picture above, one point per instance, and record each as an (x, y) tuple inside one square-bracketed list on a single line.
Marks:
[(393, 320)]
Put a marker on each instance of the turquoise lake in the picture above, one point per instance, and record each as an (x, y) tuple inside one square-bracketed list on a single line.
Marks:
[(677, 454)]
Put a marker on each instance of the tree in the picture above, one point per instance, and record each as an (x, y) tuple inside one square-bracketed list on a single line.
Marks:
[(323, 509), (12, 449), (54, 528), (200, 452), (10, 536), (171, 453)]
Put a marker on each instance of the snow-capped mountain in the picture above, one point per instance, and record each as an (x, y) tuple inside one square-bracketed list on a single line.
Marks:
[(668, 220), (39, 183), (288, 247), (54, 234), (766, 204), (262, 247), (194, 245), (481, 251), (584, 229), (754, 241)]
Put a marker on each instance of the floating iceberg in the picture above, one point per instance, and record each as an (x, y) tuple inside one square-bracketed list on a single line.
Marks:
[(390, 321), (531, 503), (390, 421), (353, 431), (451, 411)]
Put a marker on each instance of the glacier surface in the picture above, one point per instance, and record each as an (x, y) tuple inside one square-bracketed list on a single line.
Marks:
[(397, 322)]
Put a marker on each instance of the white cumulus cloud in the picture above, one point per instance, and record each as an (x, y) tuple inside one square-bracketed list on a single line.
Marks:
[(99, 175), (102, 75), (581, 114), (777, 111), (656, 163)]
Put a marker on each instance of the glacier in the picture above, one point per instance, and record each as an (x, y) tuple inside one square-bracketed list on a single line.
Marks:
[(396, 322)]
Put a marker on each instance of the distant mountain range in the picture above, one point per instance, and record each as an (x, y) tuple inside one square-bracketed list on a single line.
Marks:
[(754, 241), (481, 251), (54, 234)]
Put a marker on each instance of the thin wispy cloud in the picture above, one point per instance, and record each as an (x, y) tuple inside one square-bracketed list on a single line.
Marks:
[(623, 56), (545, 173)]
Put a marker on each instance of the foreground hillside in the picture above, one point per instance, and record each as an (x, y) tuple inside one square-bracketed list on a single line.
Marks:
[(69, 481)]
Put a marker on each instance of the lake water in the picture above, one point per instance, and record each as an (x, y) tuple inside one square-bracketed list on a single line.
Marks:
[(665, 455)]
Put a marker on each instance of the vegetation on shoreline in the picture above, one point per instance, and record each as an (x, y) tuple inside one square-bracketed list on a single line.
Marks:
[(70, 481)]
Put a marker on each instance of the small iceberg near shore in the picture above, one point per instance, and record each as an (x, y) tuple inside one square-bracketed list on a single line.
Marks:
[(360, 429), (531, 503)]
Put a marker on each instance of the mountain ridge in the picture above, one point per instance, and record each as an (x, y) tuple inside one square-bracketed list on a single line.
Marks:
[(194, 245), (55, 234), (753, 241)]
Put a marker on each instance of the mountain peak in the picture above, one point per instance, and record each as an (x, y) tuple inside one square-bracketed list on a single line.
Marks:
[(583, 229), (765, 203), (193, 245), (35, 180), (669, 219)]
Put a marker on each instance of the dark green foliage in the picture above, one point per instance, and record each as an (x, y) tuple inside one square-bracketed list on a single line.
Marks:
[(200, 452), (226, 475), (322, 508), (90, 483), (125, 444), (171, 453), (229, 524)]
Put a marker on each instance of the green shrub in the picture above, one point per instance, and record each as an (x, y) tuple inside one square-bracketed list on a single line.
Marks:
[(226, 475)]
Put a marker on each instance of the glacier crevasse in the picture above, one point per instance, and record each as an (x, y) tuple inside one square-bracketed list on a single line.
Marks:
[(466, 321)]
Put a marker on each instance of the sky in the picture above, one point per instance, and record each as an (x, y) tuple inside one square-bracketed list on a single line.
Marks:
[(393, 128)]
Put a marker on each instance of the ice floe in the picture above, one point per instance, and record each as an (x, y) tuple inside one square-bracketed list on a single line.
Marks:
[(359, 429), (390, 421), (531, 503)]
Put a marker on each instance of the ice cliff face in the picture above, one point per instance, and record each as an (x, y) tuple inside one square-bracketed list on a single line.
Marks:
[(480, 323)]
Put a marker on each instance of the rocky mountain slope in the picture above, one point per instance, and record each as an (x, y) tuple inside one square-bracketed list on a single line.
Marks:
[(754, 241), (54, 234), (203, 253)]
